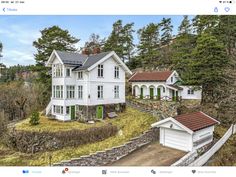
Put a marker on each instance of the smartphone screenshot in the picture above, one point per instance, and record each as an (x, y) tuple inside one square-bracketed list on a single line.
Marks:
[(117, 88)]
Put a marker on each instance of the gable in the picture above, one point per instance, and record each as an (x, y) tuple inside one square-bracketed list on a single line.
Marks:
[(172, 125), (167, 123), (114, 56)]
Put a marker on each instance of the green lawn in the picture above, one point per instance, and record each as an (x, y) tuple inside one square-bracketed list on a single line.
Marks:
[(53, 125), (131, 123)]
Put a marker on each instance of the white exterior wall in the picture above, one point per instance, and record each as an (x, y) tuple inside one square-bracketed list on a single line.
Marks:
[(184, 93), (198, 135), (177, 139), (108, 81), (175, 76), (178, 135), (89, 82)]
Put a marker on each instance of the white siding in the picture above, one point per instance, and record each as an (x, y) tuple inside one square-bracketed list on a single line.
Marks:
[(184, 93), (176, 139), (108, 81), (201, 134), (90, 82), (175, 76)]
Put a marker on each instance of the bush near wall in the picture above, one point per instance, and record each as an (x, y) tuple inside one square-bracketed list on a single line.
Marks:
[(32, 142)]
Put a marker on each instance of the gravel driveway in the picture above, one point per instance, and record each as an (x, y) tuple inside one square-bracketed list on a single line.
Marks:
[(151, 155)]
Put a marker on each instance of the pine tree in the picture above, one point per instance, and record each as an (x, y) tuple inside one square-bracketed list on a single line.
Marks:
[(166, 30), (53, 38), (147, 48), (210, 60), (127, 41), (185, 26), (121, 40), (182, 48), (205, 23)]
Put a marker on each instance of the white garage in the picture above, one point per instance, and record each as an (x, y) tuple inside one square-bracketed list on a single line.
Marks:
[(186, 132)]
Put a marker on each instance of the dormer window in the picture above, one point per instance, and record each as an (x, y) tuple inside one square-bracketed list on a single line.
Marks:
[(100, 70), (117, 72)]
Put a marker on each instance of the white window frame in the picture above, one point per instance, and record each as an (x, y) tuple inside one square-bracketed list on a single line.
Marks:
[(80, 75), (57, 70), (116, 91), (190, 92), (58, 91), (80, 92), (100, 70), (117, 72), (58, 109), (100, 91), (70, 91), (68, 69)]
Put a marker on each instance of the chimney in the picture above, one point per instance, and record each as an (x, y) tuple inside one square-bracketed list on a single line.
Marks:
[(85, 51), (96, 50)]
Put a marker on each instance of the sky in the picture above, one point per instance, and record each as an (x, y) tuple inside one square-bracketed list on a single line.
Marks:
[(17, 33)]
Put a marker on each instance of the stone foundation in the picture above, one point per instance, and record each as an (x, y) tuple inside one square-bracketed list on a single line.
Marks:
[(87, 113)]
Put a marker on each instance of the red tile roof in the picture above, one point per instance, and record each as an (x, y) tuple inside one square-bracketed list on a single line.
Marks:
[(196, 120), (151, 76)]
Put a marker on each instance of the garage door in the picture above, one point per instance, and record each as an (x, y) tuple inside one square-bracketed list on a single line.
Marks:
[(176, 139)]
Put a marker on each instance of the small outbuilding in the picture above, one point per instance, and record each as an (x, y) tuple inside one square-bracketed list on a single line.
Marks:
[(187, 132)]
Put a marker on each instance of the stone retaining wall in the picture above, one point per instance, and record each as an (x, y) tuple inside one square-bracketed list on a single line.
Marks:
[(111, 155)]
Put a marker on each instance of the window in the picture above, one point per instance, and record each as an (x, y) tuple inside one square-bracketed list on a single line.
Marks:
[(57, 70), (70, 91), (58, 91), (100, 70), (116, 91), (190, 91), (171, 79), (80, 75), (67, 109), (80, 92), (117, 72), (68, 72), (164, 90), (100, 92), (58, 109)]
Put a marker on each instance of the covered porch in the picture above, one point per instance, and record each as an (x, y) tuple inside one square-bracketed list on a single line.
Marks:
[(156, 92)]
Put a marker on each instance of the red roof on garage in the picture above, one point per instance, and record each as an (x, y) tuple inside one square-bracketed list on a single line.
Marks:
[(196, 120), (151, 76)]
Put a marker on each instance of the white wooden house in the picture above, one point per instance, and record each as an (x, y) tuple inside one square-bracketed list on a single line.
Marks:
[(162, 85), (187, 132), (86, 87)]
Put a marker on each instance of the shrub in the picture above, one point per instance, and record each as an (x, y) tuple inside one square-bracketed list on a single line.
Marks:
[(34, 119), (31, 142), (3, 124)]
